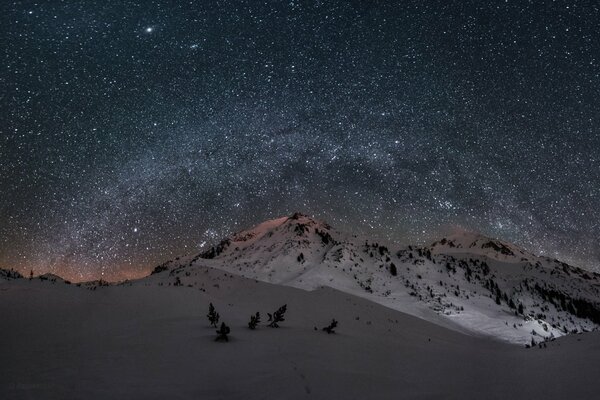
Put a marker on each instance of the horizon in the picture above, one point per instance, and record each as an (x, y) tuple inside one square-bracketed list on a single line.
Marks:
[(142, 273)]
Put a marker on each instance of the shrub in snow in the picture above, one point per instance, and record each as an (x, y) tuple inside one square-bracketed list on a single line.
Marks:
[(277, 316), (213, 315), (254, 320), (330, 328), (222, 333)]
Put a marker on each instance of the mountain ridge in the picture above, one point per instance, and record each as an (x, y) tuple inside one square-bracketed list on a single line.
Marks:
[(475, 283)]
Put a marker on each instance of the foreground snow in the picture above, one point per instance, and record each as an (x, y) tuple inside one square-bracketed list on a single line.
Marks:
[(149, 339)]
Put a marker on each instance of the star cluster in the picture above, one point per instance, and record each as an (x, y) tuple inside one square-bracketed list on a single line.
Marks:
[(135, 131)]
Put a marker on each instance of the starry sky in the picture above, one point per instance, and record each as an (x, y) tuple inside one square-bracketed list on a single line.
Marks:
[(135, 131)]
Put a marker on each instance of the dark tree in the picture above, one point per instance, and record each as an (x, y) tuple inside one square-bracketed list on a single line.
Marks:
[(213, 316), (277, 316), (254, 320), (222, 333), (331, 327), (393, 269)]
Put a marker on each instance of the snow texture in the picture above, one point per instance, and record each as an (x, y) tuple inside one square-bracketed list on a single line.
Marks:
[(150, 339)]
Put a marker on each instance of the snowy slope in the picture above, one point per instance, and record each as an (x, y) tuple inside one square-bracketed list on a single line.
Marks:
[(150, 339), (467, 281)]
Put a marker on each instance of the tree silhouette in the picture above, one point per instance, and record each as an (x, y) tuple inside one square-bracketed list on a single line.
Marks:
[(254, 320), (330, 328), (222, 333), (213, 316), (277, 316)]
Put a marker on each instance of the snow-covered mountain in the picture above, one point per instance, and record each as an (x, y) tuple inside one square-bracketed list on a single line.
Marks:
[(467, 281)]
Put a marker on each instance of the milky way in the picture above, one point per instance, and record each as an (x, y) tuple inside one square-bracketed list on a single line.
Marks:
[(132, 132)]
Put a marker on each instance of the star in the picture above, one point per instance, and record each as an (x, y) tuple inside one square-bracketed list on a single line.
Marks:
[(398, 123)]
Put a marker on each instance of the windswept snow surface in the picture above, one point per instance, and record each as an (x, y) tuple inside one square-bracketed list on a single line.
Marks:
[(150, 339), (468, 282)]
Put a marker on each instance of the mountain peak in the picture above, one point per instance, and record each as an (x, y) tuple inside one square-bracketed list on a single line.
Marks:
[(297, 230), (297, 221), (308, 220), (298, 215)]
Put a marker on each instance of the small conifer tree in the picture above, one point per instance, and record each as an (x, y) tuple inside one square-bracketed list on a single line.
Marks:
[(222, 333), (331, 327), (254, 320), (277, 316), (213, 315)]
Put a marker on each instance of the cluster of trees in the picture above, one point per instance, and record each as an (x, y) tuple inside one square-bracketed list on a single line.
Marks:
[(580, 308), (325, 237), (10, 274), (214, 251), (274, 320)]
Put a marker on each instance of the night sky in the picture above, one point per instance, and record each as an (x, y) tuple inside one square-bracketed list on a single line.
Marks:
[(132, 132)]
